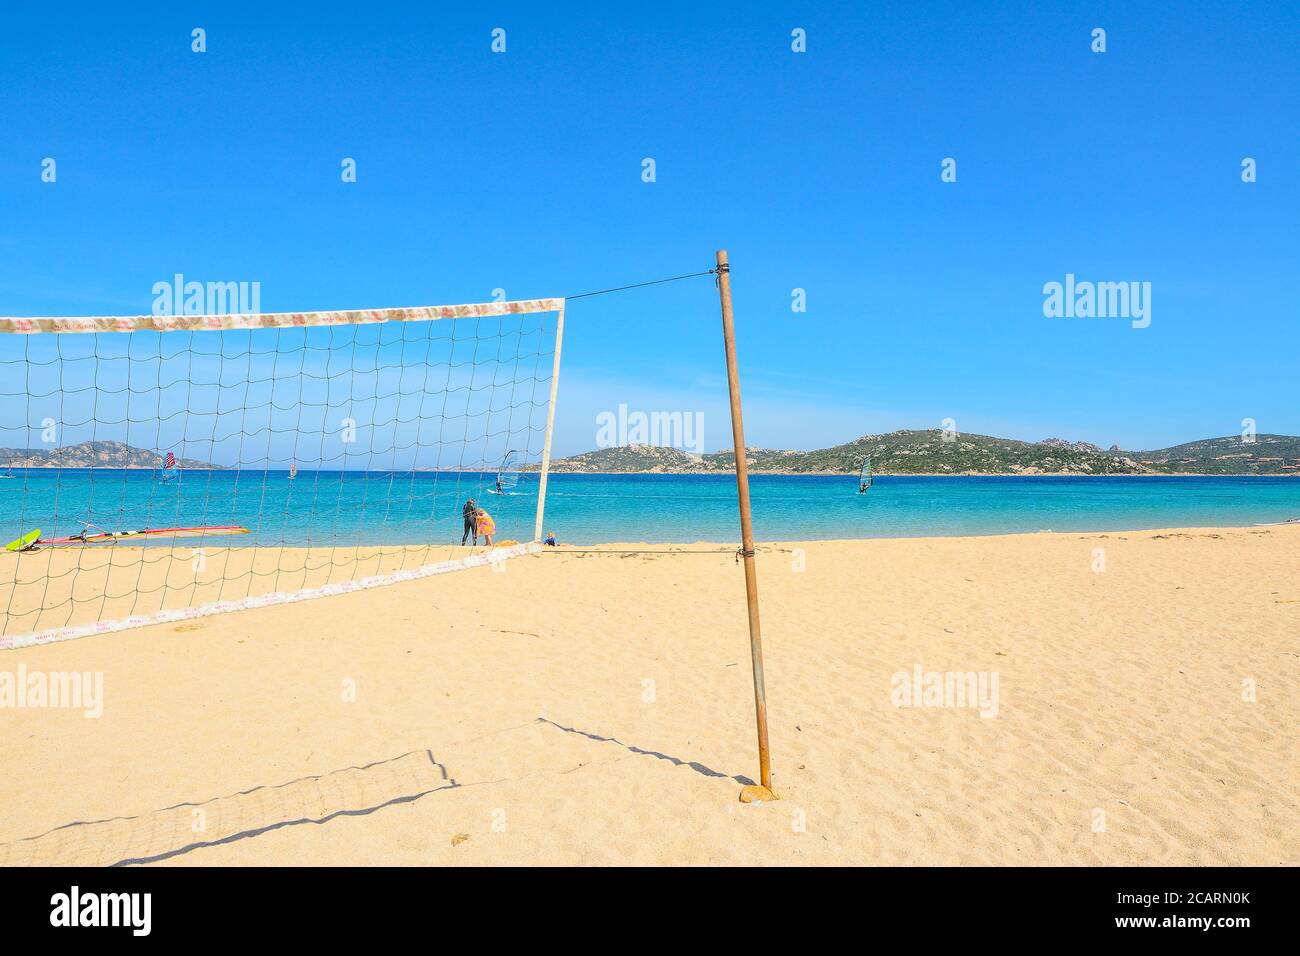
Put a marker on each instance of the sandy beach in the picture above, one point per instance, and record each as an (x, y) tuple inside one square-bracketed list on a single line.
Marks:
[(596, 707)]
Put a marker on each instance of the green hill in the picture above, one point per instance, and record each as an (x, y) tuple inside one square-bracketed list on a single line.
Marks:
[(92, 454), (930, 452), (627, 459), (1267, 455)]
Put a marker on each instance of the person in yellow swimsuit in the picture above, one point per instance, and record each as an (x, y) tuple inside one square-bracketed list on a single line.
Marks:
[(486, 527)]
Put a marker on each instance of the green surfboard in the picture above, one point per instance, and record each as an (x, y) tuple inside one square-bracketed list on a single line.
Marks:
[(25, 542)]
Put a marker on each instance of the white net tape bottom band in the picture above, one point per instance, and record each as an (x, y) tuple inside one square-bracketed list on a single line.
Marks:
[(55, 635)]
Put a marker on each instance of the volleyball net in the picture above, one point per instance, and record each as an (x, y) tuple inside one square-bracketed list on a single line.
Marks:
[(161, 468)]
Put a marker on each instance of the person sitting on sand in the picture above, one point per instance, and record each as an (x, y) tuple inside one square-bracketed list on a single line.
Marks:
[(550, 539), (470, 514), (486, 527)]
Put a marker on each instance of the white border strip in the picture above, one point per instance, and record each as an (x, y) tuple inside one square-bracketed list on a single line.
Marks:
[(271, 320), (55, 635)]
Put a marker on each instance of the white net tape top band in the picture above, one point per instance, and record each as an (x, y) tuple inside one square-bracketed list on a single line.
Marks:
[(272, 320)]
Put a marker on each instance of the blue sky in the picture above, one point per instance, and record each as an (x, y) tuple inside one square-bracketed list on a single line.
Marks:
[(818, 171)]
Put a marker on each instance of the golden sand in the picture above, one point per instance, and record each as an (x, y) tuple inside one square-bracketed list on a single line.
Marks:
[(579, 707)]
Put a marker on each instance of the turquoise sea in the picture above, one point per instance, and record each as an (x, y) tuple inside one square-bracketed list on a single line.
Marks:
[(353, 507)]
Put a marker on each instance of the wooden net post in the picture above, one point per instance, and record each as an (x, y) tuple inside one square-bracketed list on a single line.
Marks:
[(764, 790)]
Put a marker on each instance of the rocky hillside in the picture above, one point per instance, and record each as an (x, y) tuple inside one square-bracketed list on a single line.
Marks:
[(931, 453), (90, 454), (1266, 455), (628, 459)]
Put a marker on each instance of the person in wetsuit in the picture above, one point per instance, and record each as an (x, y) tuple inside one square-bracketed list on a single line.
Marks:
[(470, 514)]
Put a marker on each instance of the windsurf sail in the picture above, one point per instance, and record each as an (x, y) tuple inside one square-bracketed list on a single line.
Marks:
[(293, 470), (170, 472), (92, 535), (508, 475), (865, 476)]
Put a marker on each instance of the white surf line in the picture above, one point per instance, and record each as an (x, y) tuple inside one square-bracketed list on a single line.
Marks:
[(54, 635)]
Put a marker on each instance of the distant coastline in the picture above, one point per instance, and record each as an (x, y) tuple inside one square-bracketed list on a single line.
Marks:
[(937, 453), (753, 473), (911, 474), (931, 453), (95, 454)]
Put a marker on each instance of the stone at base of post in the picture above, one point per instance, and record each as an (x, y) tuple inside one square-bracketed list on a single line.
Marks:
[(755, 793)]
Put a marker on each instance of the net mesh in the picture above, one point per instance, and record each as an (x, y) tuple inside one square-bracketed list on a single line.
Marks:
[(176, 466)]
